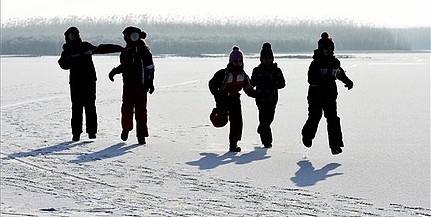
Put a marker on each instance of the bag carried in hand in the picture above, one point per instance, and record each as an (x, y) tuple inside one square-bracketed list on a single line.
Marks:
[(218, 117)]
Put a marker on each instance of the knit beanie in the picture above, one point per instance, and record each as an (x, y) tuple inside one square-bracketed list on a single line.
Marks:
[(235, 54), (266, 51), (325, 42)]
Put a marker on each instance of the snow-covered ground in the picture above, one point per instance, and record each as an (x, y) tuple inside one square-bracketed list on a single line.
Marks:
[(185, 169)]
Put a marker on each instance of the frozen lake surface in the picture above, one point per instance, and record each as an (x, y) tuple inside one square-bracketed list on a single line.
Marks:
[(185, 169)]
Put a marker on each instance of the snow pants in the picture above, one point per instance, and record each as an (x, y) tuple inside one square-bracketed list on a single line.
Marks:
[(318, 102), (83, 96), (134, 101), (233, 106), (266, 117)]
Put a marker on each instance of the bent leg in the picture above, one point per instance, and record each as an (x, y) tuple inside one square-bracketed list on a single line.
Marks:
[(314, 115)]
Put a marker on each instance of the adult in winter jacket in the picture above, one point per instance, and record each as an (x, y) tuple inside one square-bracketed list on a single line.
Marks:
[(225, 86), (322, 94), (77, 58), (137, 68), (267, 78)]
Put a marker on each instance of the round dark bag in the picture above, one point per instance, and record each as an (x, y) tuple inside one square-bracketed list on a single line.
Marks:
[(218, 117)]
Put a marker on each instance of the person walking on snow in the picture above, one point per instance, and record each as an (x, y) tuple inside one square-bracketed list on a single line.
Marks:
[(225, 86), (267, 78), (137, 68), (77, 58), (322, 94)]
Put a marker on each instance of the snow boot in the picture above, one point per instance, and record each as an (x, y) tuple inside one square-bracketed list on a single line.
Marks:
[(336, 151), (307, 142), (233, 147), (76, 137), (91, 135), (124, 135), (141, 140), (269, 145)]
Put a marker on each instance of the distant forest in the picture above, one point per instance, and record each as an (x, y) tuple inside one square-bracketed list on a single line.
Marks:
[(41, 36)]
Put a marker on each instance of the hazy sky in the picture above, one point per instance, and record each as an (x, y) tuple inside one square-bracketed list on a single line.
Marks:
[(410, 13)]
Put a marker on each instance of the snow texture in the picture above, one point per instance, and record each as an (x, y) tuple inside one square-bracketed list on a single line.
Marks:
[(185, 168)]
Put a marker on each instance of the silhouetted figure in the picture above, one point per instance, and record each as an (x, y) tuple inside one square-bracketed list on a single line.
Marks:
[(137, 68), (322, 94), (225, 86), (267, 78), (77, 58)]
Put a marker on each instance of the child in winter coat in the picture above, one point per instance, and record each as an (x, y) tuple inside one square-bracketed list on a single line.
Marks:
[(322, 94), (225, 86), (137, 68), (267, 78), (77, 58)]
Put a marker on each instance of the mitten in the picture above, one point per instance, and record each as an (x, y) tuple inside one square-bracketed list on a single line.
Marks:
[(349, 84), (114, 71), (151, 89)]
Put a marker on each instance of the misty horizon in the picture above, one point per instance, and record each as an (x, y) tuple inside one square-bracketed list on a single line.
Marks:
[(172, 35)]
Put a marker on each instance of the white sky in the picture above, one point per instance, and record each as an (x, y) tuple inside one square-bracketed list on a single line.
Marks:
[(387, 13)]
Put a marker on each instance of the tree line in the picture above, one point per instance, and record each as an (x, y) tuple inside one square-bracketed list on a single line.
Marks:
[(41, 36)]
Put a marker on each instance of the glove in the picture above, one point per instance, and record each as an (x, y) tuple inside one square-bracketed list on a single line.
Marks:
[(151, 89), (114, 71), (349, 85), (150, 86), (111, 76)]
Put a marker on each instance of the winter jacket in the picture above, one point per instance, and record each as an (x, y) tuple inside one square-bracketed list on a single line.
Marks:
[(77, 57), (137, 65), (224, 84), (323, 72), (267, 79)]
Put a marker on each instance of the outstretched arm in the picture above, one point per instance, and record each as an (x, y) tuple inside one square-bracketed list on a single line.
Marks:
[(108, 48)]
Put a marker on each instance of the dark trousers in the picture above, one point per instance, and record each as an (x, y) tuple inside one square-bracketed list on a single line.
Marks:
[(134, 101), (233, 106), (83, 96), (318, 102), (266, 117)]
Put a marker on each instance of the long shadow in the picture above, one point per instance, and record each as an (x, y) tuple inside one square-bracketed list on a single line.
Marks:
[(259, 153), (211, 160), (307, 175), (56, 149), (110, 152)]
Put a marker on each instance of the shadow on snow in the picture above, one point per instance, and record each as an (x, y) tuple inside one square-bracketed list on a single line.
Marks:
[(212, 160), (307, 175), (56, 149), (110, 152)]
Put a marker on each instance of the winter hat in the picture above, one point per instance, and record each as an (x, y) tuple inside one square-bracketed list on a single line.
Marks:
[(235, 54), (266, 51), (68, 31), (134, 33), (325, 42)]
